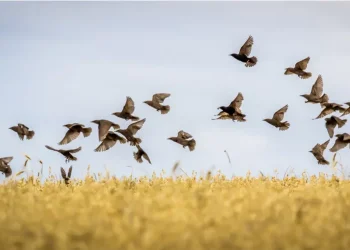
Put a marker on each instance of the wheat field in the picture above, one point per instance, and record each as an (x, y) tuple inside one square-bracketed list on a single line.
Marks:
[(212, 212)]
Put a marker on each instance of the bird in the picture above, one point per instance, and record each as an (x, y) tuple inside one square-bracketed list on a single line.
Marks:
[(341, 142), (329, 108), (318, 150), (109, 141), (103, 128), (184, 135), (182, 139), (5, 167), (127, 111), (22, 130), (332, 122), (277, 119), (66, 177), (141, 153), (157, 99), (316, 93), (235, 105), (347, 111), (299, 69), (73, 132), (66, 153), (235, 117), (244, 53), (131, 131)]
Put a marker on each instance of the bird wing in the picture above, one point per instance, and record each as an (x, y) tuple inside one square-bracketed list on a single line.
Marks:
[(346, 137), (6, 160), (324, 112), (330, 128), (339, 144), (160, 97), (339, 121), (136, 126), (70, 136), (23, 127), (51, 148), (302, 64), (145, 156), (129, 106), (184, 135), (279, 114), (75, 150), (237, 102), (70, 171), (106, 144), (63, 173), (247, 46), (324, 146), (103, 128), (317, 88)]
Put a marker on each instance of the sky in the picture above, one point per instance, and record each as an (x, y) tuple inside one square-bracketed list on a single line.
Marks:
[(66, 62)]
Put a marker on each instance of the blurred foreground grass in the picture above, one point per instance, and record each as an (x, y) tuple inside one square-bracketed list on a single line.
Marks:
[(182, 213)]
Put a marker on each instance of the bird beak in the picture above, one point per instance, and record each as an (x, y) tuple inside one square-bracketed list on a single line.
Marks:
[(310, 151)]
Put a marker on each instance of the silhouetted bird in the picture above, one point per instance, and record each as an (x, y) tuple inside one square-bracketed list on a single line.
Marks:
[(131, 131), (73, 132), (103, 128), (66, 153), (127, 111), (244, 53), (182, 139), (318, 150), (109, 141), (299, 69), (157, 99), (347, 111), (341, 142), (316, 93), (329, 109), (332, 122), (141, 153), (5, 167), (22, 131), (277, 119), (66, 177)]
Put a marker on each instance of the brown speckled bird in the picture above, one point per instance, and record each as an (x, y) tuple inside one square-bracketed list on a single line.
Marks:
[(277, 119), (157, 99), (22, 130), (66, 153), (244, 53), (329, 109), (332, 122), (109, 141), (5, 167), (103, 127), (318, 150), (127, 111), (299, 69), (131, 131), (182, 139), (316, 93), (347, 111), (73, 132), (141, 153), (66, 177), (341, 142)]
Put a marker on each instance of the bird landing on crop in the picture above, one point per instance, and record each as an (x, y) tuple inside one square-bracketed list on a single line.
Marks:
[(244, 53), (156, 101), (66, 177), (22, 130), (299, 69)]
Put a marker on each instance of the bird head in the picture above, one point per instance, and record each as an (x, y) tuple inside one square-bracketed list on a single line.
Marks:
[(148, 102), (288, 71), (222, 107)]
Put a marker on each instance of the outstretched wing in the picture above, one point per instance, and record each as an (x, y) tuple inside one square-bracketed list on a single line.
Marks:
[(330, 128), (160, 97), (279, 114), (247, 46), (106, 144), (136, 126), (103, 128), (6, 160), (63, 173), (237, 102), (184, 135), (74, 150), (145, 156), (317, 88), (339, 144), (70, 136), (324, 146), (129, 106), (302, 64), (51, 148), (70, 171)]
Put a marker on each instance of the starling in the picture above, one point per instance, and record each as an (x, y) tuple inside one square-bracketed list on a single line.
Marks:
[(66, 153), (235, 105), (182, 139), (127, 111), (103, 128), (347, 111), (141, 153), (235, 117), (131, 131), (64, 175), (244, 53), (332, 122), (277, 119), (73, 132), (22, 130), (5, 167), (316, 93), (329, 109), (318, 150), (157, 99), (109, 141), (341, 142), (299, 69)]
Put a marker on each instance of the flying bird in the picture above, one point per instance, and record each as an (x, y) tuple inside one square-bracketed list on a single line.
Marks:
[(332, 122), (184, 135), (316, 93), (329, 109), (5, 167), (182, 138), (131, 131), (73, 132), (318, 150), (157, 99), (277, 119), (299, 69), (235, 117), (347, 111), (66, 153), (341, 142), (141, 153), (66, 177), (244, 53), (235, 105), (127, 111), (103, 127), (109, 141), (22, 130)]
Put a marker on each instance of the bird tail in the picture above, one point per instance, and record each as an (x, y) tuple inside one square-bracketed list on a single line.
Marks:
[(137, 157), (134, 118), (165, 109), (87, 132), (30, 134), (135, 141), (191, 144), (341, 123), (251, 61), (323, 162), (305, 75), (285, 126)]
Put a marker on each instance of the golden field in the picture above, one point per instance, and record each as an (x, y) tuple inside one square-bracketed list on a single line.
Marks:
[(176, 213)]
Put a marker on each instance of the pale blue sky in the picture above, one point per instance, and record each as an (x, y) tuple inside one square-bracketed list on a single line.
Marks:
[(75, 62)]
